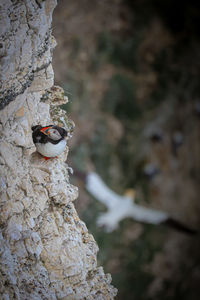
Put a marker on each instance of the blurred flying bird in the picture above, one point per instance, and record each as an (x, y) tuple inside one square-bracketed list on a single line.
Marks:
[(121, 207)]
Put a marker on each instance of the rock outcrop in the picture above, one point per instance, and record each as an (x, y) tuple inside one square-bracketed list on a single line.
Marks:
[(46, 251)]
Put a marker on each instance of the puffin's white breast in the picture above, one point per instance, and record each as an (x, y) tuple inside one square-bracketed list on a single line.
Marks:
[(51, 150)]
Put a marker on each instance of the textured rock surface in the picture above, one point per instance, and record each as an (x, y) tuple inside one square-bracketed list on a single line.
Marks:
[(46, 251)]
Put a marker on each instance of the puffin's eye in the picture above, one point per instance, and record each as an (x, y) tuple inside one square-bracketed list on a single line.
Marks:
[(54, 131)]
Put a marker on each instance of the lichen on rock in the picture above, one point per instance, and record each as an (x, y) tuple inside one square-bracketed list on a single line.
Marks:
[(46, 251)]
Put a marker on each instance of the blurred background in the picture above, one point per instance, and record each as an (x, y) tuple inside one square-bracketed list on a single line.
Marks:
[(131, 71)]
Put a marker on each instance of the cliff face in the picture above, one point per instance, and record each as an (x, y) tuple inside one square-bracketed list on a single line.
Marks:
[(46, 251)]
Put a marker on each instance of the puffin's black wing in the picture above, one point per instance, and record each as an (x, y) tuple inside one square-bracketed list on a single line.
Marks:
[(33, 128), (38, 136)]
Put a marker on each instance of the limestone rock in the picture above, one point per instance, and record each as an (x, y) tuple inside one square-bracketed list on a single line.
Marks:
[(46, 251)]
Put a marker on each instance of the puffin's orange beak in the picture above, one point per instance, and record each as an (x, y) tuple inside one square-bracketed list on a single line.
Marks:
[(45, 130)]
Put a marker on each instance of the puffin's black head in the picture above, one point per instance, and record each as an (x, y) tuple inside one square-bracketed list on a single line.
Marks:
[(50, 133)]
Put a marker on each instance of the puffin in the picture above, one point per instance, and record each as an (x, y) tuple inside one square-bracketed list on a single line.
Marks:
[(50, 141)]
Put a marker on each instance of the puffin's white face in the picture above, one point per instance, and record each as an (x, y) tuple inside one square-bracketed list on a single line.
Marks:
[(54, 134)]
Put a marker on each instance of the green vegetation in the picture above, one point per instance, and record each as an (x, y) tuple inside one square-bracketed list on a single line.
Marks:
[(120, 99), (121, 52)]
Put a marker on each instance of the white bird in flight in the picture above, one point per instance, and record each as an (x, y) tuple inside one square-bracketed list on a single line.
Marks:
[(121, 207)]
